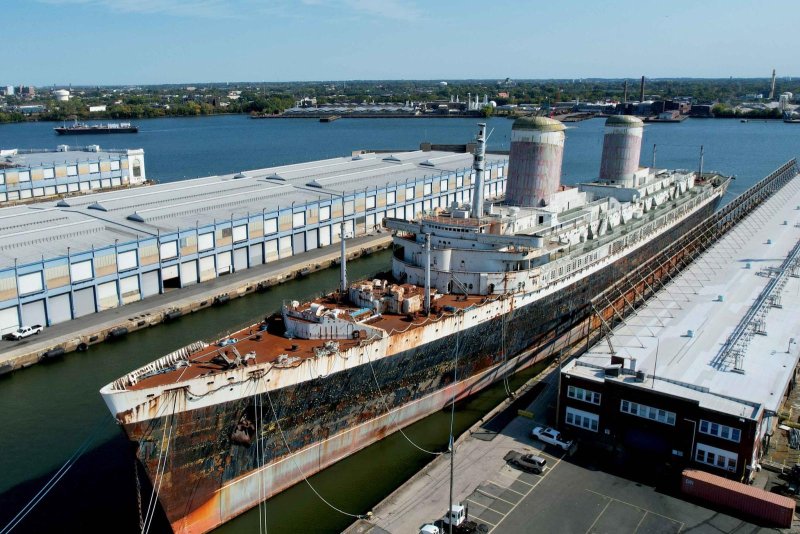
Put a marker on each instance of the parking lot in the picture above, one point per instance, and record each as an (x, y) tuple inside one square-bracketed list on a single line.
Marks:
[(582, 493), (572, 496)]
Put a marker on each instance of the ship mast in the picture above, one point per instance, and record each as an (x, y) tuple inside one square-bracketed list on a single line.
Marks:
[(478, 166), (427, 274), (343, 262)]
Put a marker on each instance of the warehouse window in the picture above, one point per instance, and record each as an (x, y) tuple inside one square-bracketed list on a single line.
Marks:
[(391, 197), (410, 193), (324, 213), (581, 419), (583, 395), (717, 457), (443, 185), (648, 412), (721, 431)]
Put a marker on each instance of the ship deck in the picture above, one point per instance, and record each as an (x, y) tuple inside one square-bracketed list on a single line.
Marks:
[(268, 345)]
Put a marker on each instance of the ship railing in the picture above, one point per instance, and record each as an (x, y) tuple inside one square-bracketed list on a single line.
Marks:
[(161, 364)]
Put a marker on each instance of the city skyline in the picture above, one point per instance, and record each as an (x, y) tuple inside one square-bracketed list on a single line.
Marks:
[(151, 42)]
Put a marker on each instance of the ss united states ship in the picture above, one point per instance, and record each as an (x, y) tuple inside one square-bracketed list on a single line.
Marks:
[(477, 292)]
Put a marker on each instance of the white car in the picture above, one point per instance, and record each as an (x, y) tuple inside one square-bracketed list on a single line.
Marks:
[(25, 331), (551, 436)]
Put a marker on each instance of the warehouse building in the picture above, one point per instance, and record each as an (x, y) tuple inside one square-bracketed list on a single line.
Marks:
[(84, 254), (697, 377), (37, 174)]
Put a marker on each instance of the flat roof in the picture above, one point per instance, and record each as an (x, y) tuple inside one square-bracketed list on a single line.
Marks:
[(98, 219), (723, 292), (49, 157)]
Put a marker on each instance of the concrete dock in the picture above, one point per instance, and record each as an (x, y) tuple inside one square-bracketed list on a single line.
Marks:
[(507, 500), (79, 334)]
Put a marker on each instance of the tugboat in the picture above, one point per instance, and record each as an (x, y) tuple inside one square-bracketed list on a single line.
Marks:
[(83, 128)]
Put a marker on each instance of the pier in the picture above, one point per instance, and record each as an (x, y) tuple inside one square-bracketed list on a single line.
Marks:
[(80, 334)]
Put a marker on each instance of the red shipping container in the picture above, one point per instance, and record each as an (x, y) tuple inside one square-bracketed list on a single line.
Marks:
[(747, 500)]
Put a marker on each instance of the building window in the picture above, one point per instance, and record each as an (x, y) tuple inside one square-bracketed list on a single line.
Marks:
[(324, 213), (459, 180), (581, 419), (391, 197), (583, 395), (443, 185), (648, 412), (371, 202), (716, 457), (409, 193), (721, 431), (426, 189)]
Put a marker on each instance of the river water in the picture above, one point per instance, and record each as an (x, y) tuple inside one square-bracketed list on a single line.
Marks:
[(50, 410)]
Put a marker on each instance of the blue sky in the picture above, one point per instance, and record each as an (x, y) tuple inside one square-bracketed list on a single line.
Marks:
[(80, 42)]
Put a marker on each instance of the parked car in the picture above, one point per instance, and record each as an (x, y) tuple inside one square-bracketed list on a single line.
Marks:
[(526, 462), (25, 331), (551, 436), (228, 341)]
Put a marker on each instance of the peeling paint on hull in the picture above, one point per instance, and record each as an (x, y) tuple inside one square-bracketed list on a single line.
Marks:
[(210, 478)]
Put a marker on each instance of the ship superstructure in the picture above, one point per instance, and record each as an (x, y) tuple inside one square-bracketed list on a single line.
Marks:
[(220, 427)]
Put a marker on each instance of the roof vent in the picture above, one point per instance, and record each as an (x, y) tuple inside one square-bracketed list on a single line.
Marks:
[(96, 206), (392, 158), (63, 203), (428, 163), (275, 176), (136, 217), (239, 175), (314, 183)]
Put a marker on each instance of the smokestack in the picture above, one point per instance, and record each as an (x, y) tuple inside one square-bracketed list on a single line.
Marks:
[(641, 91), (478, 165), (534, 165), (625, 92), (772, 86), (622, 147)]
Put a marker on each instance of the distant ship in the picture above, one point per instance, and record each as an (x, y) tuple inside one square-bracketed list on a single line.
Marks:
[(111, 128), (474, 296)]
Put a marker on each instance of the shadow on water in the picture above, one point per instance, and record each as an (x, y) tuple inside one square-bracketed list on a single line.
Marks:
[(98, 494)]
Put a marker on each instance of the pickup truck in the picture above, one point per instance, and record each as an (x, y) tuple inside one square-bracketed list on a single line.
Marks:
[(551, 436), (24, 331)]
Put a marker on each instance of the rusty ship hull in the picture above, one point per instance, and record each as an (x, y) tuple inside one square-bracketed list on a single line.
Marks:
[(214, 462)]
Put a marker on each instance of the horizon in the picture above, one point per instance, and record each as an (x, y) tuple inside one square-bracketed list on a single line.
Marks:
[(167, 42), (403, 80)]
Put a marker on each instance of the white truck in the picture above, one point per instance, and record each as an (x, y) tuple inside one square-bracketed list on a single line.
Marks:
[(461, 523), (25, 331)]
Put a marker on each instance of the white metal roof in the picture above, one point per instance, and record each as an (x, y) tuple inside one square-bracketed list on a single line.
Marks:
[(710, 299), (98, 219)]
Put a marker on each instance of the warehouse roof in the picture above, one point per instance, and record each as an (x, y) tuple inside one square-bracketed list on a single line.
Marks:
[(685, 337), (45, 157), (98, 219)]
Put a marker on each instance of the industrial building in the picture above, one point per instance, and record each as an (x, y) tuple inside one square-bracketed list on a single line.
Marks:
[(37, 174), (65, 259), (697, 376)]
